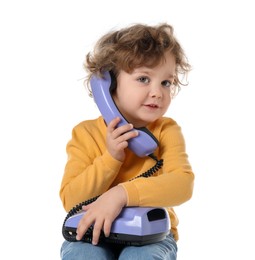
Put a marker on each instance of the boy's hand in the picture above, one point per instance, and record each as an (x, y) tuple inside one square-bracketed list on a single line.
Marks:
[(117, 138), (102, 213)]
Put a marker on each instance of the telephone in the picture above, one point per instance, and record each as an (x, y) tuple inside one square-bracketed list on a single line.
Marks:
[(134, 225), (142, 145)]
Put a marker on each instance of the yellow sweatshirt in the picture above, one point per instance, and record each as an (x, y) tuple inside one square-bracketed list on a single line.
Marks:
[(90, 170)]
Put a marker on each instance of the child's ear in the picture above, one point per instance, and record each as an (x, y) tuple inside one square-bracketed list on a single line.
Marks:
[(113, 82)]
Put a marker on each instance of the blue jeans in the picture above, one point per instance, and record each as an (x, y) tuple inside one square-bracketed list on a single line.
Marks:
[(163, 250)]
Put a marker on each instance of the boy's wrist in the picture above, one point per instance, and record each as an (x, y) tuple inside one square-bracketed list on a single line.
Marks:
[(122, 195)]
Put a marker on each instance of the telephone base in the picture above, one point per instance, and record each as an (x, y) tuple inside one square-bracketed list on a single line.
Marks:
[(135, 226)]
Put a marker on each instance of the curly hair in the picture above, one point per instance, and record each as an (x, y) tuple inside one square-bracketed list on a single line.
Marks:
[(136, 46)]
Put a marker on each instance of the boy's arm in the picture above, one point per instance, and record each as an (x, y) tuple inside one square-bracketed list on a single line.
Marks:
[(174, 184), (90, 169)]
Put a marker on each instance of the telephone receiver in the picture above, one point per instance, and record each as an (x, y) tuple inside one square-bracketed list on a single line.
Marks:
[(142, 145)]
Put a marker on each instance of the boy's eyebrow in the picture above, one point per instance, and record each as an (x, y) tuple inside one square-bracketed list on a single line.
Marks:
[(172, 75), (148, 71), (142, 70)]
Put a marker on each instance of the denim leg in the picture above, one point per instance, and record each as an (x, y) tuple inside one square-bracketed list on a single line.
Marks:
[(84, 251), (163, 250)]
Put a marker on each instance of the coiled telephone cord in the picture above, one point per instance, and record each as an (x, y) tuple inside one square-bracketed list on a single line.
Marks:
[(71, 236)]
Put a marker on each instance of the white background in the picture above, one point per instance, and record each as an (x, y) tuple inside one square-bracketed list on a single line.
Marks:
[(42, 48)]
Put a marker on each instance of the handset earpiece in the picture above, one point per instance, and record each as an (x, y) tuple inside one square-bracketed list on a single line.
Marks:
[(142, 145)]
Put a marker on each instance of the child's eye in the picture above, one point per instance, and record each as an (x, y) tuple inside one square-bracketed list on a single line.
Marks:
[(143, 79), (167, 83)]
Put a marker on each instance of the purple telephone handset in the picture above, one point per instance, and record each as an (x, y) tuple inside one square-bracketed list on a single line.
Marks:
[(142, 145)]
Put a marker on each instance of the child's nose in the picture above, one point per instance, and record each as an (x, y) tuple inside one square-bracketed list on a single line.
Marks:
[(156, 92)]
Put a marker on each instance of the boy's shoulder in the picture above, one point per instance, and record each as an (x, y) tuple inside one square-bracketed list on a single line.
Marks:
[(165, 122), (165, 126), (90, 124), (99, 124)]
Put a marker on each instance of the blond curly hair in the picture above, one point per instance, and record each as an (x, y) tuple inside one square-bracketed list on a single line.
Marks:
[(136, 46)]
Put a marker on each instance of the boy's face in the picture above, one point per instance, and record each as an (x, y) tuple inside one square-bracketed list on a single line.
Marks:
[(144, 95)]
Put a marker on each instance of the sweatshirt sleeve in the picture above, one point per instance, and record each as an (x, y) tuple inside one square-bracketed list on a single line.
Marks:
[(174, 183), (88, 166)]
